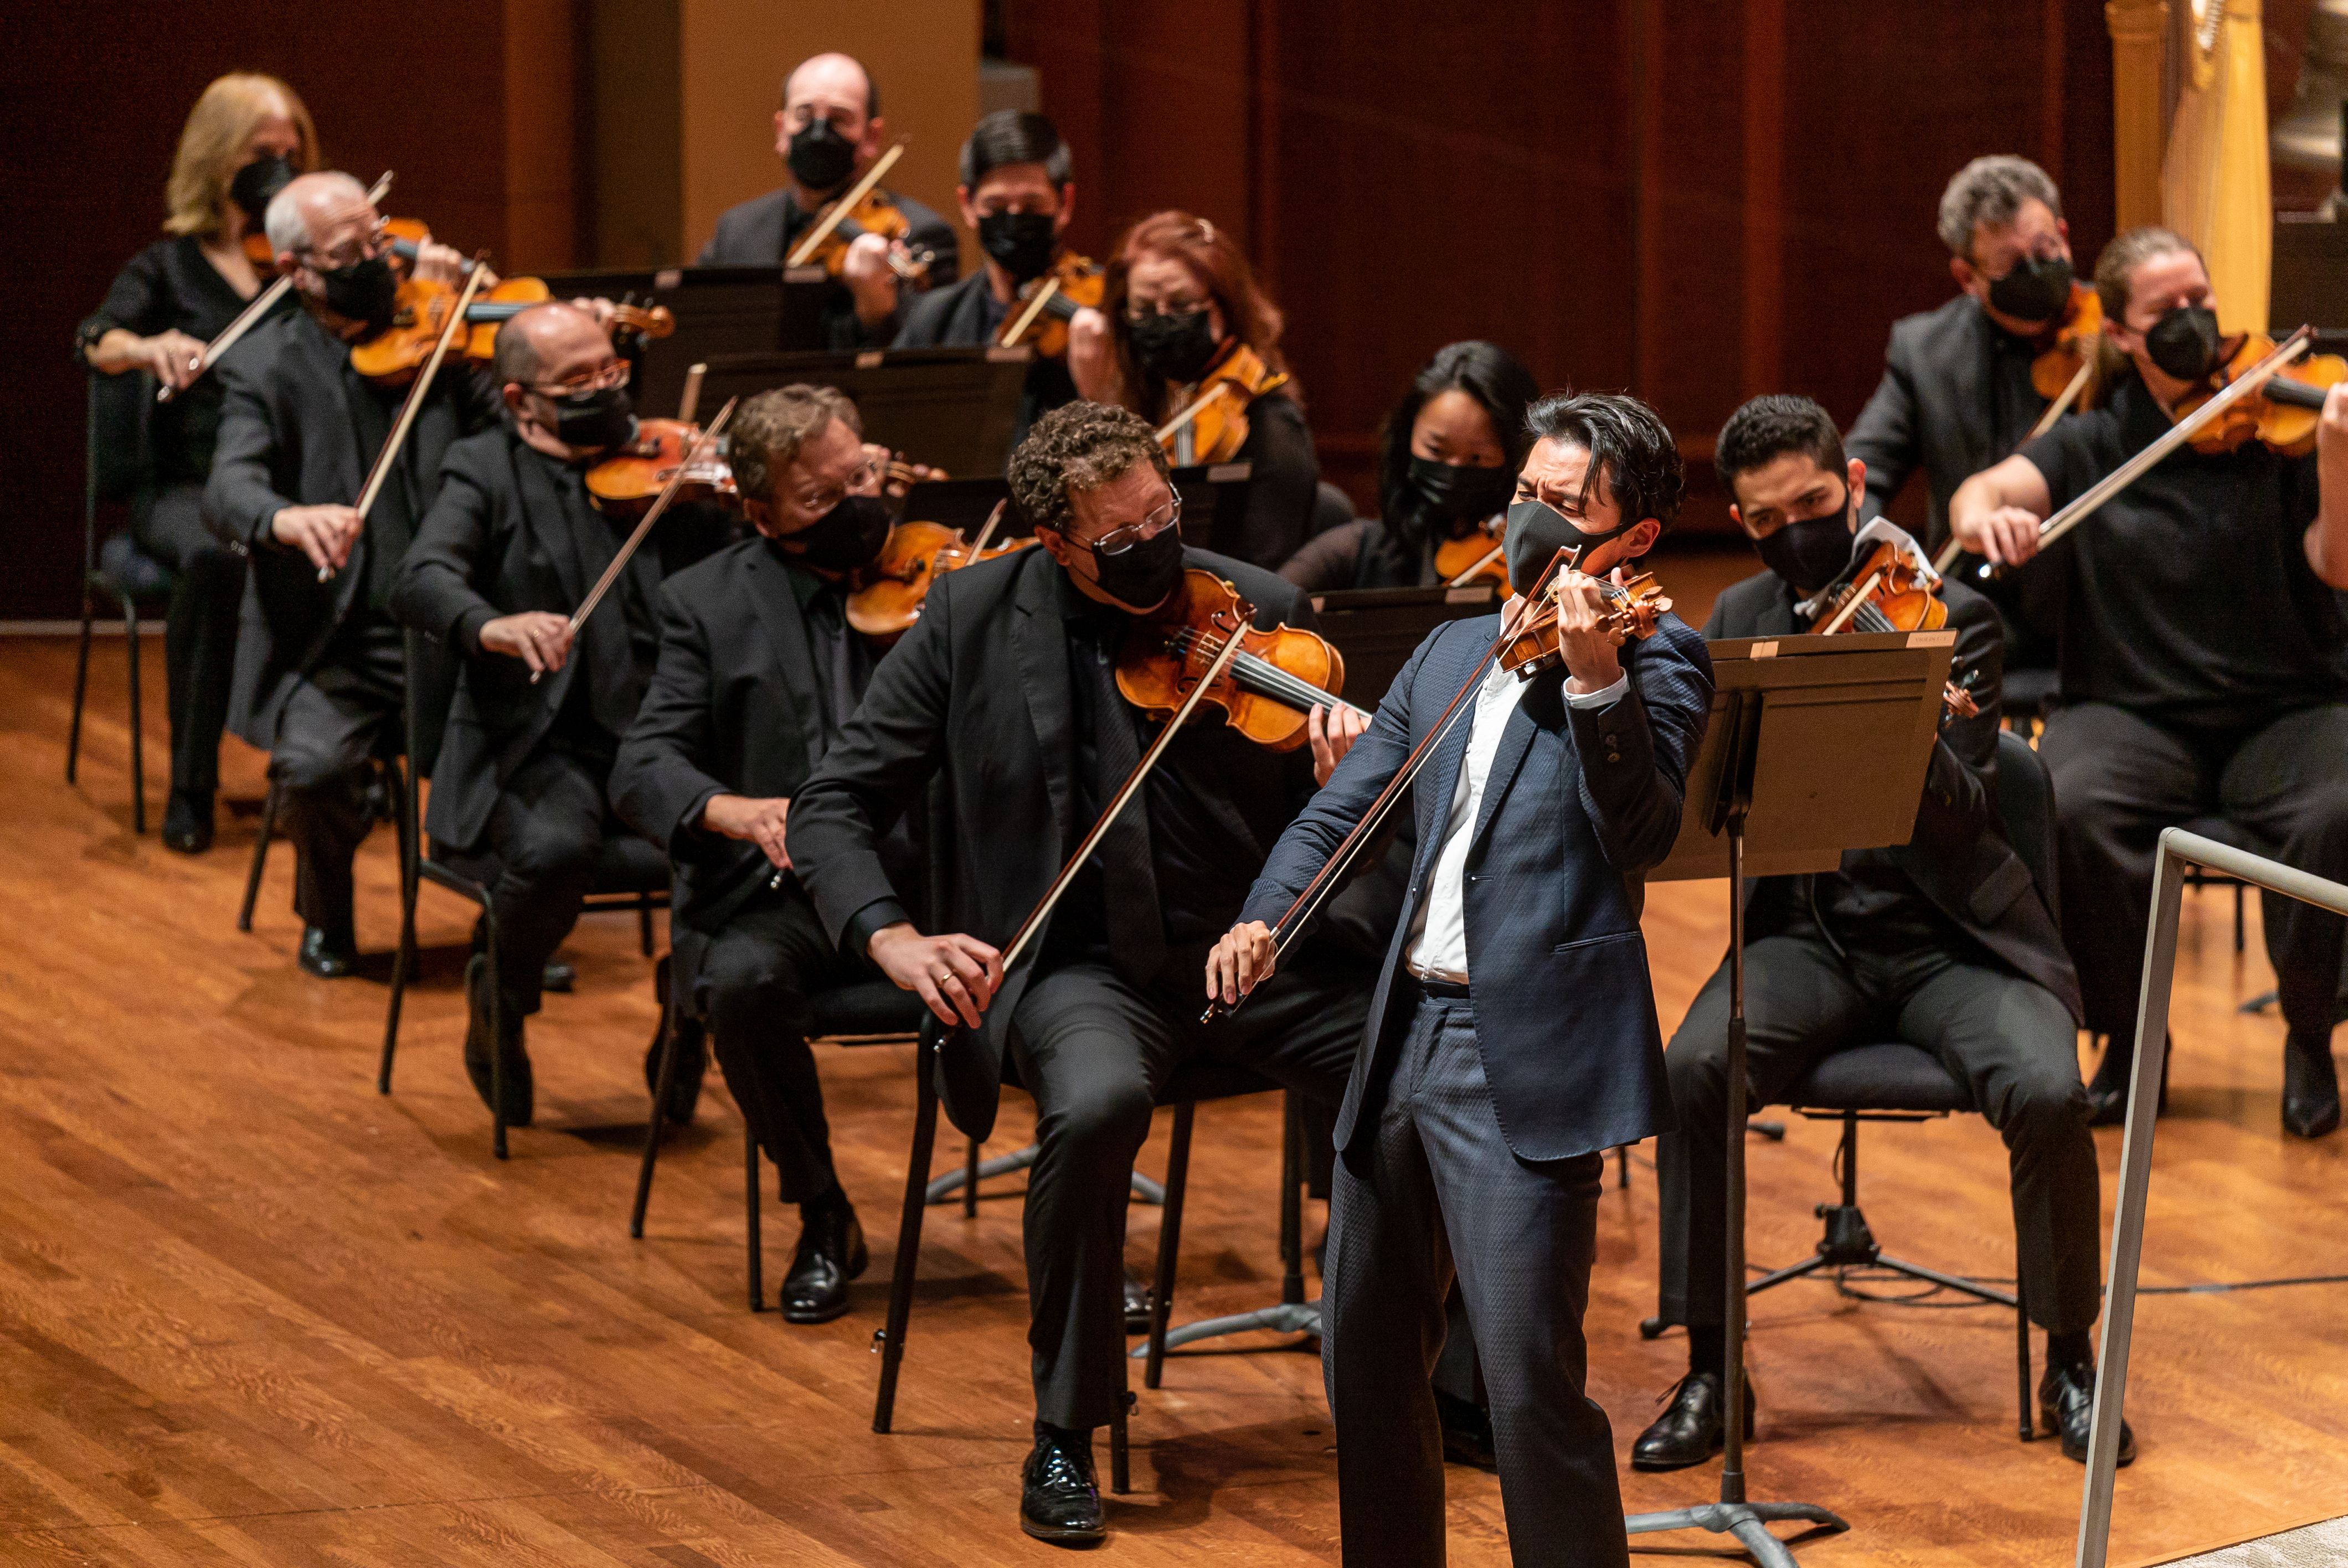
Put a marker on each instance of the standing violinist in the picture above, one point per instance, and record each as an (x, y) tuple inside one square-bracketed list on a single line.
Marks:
[(319, 668), (1007, 690), (1184, 317), (1512, 1037), (759, 670), (828, 133), (246, 137), (1448, 461), (1943, 942), (509, 547), (1016, 195), (2204, 662)]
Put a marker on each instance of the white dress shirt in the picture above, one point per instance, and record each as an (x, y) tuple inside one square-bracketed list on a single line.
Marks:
[(1437, 949)]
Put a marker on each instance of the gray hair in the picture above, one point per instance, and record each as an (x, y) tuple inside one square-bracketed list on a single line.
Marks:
[(286, 224), (1990, 191)]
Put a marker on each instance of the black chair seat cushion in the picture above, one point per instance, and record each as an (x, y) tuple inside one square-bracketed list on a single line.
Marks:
[(2026, 690), (626, 864), (129, 572), (866, 1007), (1892, 1077), (1201, 1078)]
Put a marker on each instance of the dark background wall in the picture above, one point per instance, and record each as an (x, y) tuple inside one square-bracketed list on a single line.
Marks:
[(1698, 200)]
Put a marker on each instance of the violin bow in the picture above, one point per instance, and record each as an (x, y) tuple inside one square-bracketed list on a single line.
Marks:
[(651, 515), (2176, 435), (1173, 427), (1018, 328), (250, 317), (1951, 550), (844, 204), (1324, 881), (413, 403), (1486, 559)]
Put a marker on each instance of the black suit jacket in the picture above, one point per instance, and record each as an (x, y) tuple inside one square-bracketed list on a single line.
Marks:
[(733, 709), (1958, 857), (977, 694), (288, 438), (1579, 803), (954, 315), (756, 233), (1937, 409), (497, 542)]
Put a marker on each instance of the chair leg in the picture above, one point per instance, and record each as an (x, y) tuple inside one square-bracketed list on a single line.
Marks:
[(139, 730), (1169, 1243), (1622, 1168), (260, 854), (1120, 1466), (403, 958), (663, 1077), (496, 1038), (969, 1179), (2028, 1425), (645, 924), (81, 689), (1292, 1201), (891, 1336), (2240, 889), (752, 1204)]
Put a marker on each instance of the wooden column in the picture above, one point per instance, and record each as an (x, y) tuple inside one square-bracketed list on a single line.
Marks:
[(2138, 28), (1765, 164)]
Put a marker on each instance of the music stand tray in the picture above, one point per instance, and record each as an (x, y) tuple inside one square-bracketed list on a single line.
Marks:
[(1378, 628), (718, 310), (953, 408), (1817, 745)]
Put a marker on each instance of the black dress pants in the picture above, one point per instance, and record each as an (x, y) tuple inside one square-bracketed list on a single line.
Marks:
[(1432, 1191), (199, 629), (546, 832), (751, 979), (1094, 1049), (343, 715), (2120, 778), (2007, 1037)]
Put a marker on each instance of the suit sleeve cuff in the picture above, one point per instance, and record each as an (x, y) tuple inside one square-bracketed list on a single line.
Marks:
[(1606, 698), (856, 935), (467, 631)]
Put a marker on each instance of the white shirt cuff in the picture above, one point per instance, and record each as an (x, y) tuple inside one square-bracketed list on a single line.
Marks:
[(1603, 699)]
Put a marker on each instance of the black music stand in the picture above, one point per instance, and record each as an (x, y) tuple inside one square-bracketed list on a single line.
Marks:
[(963, 504), (1378, 628), (718, 310), (1214, 504), (1817, 745), (953, 408)]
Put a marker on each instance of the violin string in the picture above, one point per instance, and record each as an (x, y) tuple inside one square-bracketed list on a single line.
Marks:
[(1262, 676)]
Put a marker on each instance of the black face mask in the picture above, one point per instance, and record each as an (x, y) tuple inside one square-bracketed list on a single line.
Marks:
[(821, 157), (1811, 553), (2185, 341), (257, 182), (1536, 532), (365, 291), (845, 538), (2036, 290), (1021, 243), (595, 421), (1144, 574), (1179, 348), (1458, 492)]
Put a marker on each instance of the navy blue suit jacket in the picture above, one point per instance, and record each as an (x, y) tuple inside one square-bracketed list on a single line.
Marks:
[(1580, 802)]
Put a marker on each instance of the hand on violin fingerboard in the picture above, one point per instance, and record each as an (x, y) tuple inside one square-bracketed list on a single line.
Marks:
[(1583, 640), (871, 279), (1333, 731)]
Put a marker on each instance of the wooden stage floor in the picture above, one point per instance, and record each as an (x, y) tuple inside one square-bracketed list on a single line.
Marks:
[(252, 1313)]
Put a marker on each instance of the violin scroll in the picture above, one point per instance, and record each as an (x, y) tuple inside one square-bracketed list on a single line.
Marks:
[(1632, 610)]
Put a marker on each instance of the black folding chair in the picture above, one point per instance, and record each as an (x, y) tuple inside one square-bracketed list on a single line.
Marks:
[(116, 465)]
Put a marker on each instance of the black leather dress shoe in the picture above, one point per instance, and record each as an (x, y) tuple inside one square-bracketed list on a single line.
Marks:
[(1058, 1500), (327, 956), (1689, 1431), (2107, 1091), (519, 1097), (2066, 1405), (831, 1252), (188, 822), (1467, 1433), (2311, 1084), (559, 978), (1137, 1306), (692, 1067)]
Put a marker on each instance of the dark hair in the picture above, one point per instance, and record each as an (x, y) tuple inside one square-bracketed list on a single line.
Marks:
[(1009, 137), (1078, 446), (1218, 265), (1768, 427), (1500, 384), (1628, 444)]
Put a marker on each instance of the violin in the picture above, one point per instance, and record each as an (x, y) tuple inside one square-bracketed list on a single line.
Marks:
[(1888, 590), (1213, 424), (864, 208), (628, 480), (2282, 413), (890, 591), (1475, 556), (2068, 344), (1534, 642), (1051, 302), (1267, 689), (392, 354)]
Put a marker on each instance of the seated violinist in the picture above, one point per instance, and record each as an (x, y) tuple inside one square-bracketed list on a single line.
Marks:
[(827, 132), (1188, 323), (1007, 690), (2204, 662), (511, 548), (1448, 461), (759, 670), (319, 666), (1016, 196), (1913, 943)]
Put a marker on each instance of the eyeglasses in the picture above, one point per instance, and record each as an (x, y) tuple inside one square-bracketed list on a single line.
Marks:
[(1116, 541), (612, 375), (350, 253), (858, 483), (1137, 311)]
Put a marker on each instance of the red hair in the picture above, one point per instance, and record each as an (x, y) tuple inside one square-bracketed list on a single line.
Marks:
[(1221, 269)]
